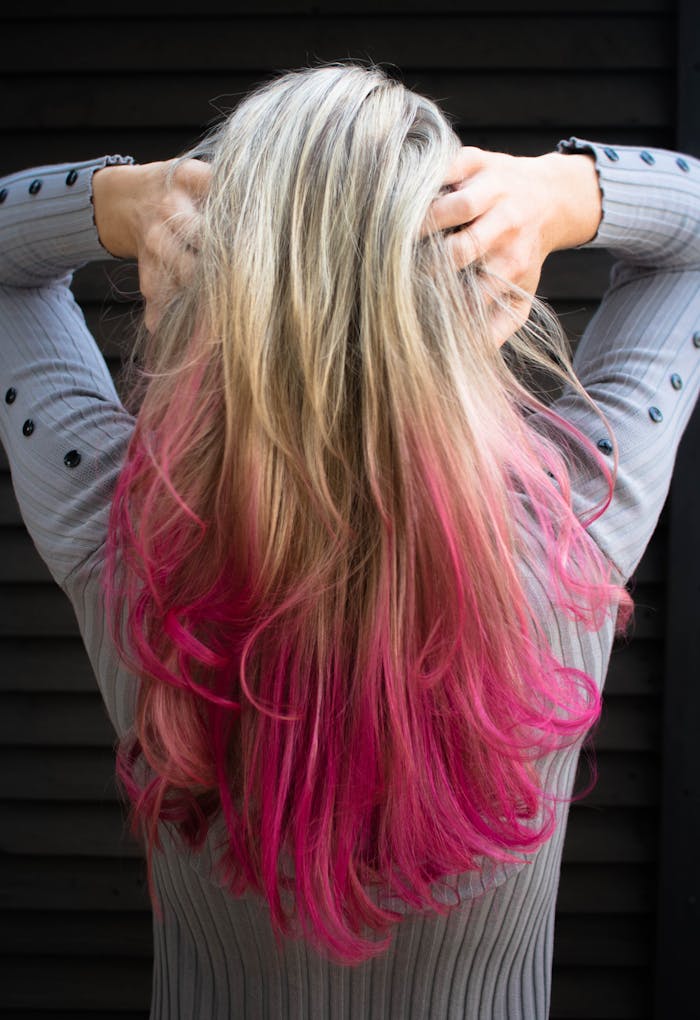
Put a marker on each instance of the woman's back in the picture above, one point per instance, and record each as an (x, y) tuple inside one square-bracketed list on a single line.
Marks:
[(491, 956)]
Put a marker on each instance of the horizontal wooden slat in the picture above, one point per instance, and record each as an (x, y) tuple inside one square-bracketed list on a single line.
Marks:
[(19, 560), (25, 148), (605, 889), (75, 829), (58, 773), (76, 984), (40, 610), (619, 834), (21, 563), (87, 774), (654, 564), (576, 275), (114, 328), (123, 983), (482, 98), (636, 669), (254, 43), (600, 941), (102, 1014), (605, 994), (48, 719), (628, 724), (54, 720), (37, 662), (569, 275), (9, 510), (624, 778), (102, 285), (649, 619), (80, 9), (617, 993), (45, 664), (597, 941), (64, 933), (32, 883)]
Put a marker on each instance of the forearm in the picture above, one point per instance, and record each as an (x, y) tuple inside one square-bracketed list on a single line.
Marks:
[(47, 228)]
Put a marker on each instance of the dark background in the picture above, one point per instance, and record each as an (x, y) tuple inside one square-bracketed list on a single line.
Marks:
[(82, 80)]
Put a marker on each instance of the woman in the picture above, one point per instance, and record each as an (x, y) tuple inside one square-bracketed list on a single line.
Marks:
[(360, 584)]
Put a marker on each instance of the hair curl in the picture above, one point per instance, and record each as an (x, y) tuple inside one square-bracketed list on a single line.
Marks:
[(320, 539)]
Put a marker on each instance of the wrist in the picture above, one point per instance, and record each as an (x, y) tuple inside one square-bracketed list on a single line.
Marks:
[(115, 208), (576, 201)]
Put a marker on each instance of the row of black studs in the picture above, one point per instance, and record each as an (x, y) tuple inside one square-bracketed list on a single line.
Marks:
[(647, 158), (35, 186), (654, 413), (71, 459)]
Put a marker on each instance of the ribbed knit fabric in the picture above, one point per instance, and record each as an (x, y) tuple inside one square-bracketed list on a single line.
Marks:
[(639, 358)]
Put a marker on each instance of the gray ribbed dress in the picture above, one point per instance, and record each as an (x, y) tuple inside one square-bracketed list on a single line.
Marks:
[(215, 957)]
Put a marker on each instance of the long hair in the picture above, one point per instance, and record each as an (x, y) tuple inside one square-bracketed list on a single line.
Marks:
[(320, 540)]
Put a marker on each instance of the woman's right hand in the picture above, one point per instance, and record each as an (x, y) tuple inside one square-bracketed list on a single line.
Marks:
[(512, 211), (145, 213)]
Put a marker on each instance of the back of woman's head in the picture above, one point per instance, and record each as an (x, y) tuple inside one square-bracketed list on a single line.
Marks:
[(327, 527)]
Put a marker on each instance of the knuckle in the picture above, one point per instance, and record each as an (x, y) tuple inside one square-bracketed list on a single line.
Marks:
[(463, 206), (466, 246), (516, 264)]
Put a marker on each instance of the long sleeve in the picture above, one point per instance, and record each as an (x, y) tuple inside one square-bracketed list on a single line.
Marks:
[(639, 357), (62, 425)]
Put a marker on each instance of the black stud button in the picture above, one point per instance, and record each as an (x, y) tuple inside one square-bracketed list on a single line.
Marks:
[(10, 395), (72, 177), (683, 164), (647, 157), (28, 427), (611, 154), (655, 414), (676, 381), (605, 445), (72, 459), (35, 186), (696, 339), (3, 194)]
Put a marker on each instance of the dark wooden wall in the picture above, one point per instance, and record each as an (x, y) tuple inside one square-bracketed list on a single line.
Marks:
[(85, 79)]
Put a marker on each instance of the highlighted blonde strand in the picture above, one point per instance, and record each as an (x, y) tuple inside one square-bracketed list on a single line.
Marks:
[(320, 541)]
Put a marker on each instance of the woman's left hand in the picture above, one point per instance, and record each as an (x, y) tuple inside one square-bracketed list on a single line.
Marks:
[(511, 212), (141, 214)]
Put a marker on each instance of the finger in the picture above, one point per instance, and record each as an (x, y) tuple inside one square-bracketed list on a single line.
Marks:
[(508, 315), (194, 176), (463, 205), (468, 160), (474, 241), (488, 233), (171, 249), (182, 239), (465, 246), (152, 314), (511, 310)]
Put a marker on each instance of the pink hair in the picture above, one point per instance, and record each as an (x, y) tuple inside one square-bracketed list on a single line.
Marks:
[(364, 694), (366, 762)]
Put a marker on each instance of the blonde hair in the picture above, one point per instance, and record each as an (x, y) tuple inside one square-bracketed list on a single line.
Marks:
[(321, 524)]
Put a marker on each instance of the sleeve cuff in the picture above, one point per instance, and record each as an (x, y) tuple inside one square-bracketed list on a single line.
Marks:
[(651, 198), (47, 225)]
